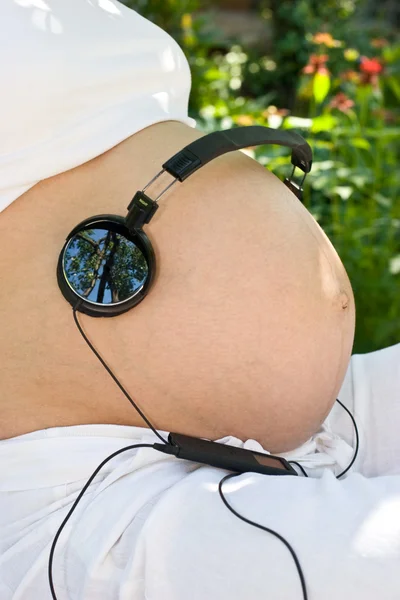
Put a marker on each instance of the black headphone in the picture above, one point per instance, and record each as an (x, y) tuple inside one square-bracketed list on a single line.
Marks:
[(107, 266)]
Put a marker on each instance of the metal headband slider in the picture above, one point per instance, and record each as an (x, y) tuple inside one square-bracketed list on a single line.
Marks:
[(141, 210), (294, 187)]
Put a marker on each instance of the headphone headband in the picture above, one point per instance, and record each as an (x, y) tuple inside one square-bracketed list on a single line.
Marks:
[(205, 149), (197, 154)]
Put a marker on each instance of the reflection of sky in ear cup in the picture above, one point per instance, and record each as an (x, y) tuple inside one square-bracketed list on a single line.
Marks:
[(103, 266)]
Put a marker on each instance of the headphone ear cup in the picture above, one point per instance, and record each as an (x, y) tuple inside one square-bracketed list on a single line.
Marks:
[(104, 269)]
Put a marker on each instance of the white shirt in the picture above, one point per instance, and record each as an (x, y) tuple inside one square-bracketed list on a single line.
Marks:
[(153, 527), (77, 78)]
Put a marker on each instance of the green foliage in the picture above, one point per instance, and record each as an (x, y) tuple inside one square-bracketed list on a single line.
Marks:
[(316, 78), (167, 14)]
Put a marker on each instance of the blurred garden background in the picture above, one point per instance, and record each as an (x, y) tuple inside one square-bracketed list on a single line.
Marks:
[(331, 70)]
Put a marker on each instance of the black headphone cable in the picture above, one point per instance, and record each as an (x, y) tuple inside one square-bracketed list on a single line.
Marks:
[(135, 446)]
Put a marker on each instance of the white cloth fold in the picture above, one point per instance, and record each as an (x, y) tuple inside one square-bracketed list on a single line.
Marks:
[(151, 526), (80, 77), (324, 450)]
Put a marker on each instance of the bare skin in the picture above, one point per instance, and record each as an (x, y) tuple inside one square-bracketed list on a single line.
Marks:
[(247, 331)]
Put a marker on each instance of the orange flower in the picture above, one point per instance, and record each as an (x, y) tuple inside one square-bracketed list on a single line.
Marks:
[(244, 120), (273, 110), (327, 39), (322, 38), (341, 102)]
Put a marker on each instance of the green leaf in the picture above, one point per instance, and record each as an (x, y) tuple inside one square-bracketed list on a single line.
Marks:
[(322, 165), (382, 200), (394, 265), (297, 122), (215, 75), (360, 143), (321, 85), (323, 123), (394, 85), (322, 182), (343, 191), (385, 132)]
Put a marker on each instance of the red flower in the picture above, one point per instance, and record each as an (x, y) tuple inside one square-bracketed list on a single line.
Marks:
[(341, 102), (371, 66), (370, 69)]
